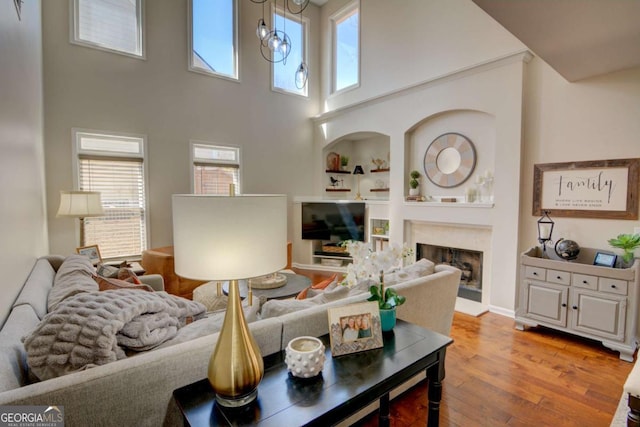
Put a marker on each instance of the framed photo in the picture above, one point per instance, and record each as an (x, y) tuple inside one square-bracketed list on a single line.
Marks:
[(591, 189), (604, 259), (354, 328), (92, 252)]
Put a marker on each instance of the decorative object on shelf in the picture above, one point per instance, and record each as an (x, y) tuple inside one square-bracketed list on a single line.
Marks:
[(470, 195), (304, 357), (449, 160), (354, 328), (628, 243), (81, 205), (333, 162), (344, 162), (380, 164), (358, 171), (590, 189), (231, 238), (414, 184), (336, 182), (545, 230), (484, 187), (275, 44), (567, 249), (416, 199)]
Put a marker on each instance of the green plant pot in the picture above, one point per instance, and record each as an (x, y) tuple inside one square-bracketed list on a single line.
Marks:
[(387, 319)]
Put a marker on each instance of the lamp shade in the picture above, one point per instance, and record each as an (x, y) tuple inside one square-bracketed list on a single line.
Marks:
[(80, 204), (229, 237), (358, 170)]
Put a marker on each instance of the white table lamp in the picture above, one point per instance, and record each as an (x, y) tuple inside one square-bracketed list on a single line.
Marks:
[(80, 204), (231, 238)]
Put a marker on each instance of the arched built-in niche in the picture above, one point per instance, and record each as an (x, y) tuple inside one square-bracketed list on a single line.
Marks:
[(371, 150), (476, 126)]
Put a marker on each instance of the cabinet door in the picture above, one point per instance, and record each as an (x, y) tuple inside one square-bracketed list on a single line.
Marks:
[(598, 314), (546, 302)]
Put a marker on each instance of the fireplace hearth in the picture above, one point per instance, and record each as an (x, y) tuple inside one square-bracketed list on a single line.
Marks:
[(468, 261)]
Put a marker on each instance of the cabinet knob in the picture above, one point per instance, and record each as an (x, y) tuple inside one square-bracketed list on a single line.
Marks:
[(575, 307), (564, 304), (585, 282), (535, 273), (558, 277), (613, 286)]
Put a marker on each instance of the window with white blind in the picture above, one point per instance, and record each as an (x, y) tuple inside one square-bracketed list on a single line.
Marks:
[(215, 167), (114, 25), (114, 165)]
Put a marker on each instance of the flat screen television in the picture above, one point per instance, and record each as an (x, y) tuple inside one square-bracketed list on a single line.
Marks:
[(333, 221)]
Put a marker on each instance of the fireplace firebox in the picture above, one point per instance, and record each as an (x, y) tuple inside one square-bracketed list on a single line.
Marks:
[(468, 261)]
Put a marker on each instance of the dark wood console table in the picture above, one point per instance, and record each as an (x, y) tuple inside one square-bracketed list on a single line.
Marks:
[(347, 384)]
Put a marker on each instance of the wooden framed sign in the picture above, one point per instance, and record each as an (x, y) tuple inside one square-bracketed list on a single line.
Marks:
[(590, 189)]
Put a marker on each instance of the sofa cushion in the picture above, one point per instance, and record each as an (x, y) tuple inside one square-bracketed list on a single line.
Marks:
[(74, 276), (13, 360), (420, 268), (275, 307), (36, 289)]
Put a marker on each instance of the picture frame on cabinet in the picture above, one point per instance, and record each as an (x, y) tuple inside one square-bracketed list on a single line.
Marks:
[(605, 259), (92, 252)]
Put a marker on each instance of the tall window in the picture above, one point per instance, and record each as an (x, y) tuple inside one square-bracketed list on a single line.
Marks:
[(284, 73), (214, 37), (113, 164), (346, 47), (214, 168), (114, 25)]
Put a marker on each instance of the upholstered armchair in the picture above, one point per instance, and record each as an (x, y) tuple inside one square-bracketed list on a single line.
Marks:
[(161, 261)]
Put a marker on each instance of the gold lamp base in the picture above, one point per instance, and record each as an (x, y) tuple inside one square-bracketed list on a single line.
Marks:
[(236, 367)]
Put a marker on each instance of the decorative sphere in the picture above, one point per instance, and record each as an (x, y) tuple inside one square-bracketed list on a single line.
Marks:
[(567, 249)]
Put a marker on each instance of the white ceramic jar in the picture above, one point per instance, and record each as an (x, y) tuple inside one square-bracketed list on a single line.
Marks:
[(304, 357)]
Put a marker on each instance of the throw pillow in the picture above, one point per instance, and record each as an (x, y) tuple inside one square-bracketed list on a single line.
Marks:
[(128, 275), (106, 283), (420, 268), (74, 276), (314, 290), (107, 270)]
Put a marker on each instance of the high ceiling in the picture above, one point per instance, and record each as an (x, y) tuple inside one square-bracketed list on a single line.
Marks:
[(578, 38)]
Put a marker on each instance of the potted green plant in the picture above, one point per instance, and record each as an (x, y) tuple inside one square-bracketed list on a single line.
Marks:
[(628, 243), (369, 264), (344, 162), (388, 299), (414, 183)]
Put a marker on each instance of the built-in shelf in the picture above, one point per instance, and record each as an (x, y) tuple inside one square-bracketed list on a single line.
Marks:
[(450, 204), (379, 190), (380, 170), (337, 190), (339, 171)]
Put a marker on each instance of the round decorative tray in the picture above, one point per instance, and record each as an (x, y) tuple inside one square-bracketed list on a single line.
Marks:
[(270, 281)]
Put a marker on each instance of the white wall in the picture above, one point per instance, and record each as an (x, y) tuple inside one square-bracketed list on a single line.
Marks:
[(561, 121), (158, 97), (22, 200)]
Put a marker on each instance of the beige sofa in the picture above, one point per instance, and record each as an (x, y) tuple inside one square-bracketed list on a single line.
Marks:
[(138, 390)]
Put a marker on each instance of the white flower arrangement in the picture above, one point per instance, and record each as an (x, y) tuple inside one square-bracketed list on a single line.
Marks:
[(370, 264)]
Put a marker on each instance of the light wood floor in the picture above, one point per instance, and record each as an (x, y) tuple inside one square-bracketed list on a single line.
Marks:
[(499, 376)]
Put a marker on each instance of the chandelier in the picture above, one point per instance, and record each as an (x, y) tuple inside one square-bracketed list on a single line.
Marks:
[(275, 44)]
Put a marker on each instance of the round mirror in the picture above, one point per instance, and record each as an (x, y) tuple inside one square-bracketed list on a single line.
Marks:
[(449, 160)]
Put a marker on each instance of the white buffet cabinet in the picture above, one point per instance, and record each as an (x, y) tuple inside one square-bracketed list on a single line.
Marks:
[(577, 297)]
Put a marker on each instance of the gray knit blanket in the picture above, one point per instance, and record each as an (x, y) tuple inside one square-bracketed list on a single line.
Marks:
[(95, 328)]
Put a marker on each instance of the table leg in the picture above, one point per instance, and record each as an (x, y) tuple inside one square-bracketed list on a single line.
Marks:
[(435, 375), (383, 412)]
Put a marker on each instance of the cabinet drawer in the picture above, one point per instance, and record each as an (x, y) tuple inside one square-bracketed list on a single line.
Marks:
[(584, 281), (614, 286), (535, 273), (559, 277)]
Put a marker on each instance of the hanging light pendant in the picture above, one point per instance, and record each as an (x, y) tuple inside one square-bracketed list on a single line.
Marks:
[(262, 31), (302, 74)]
